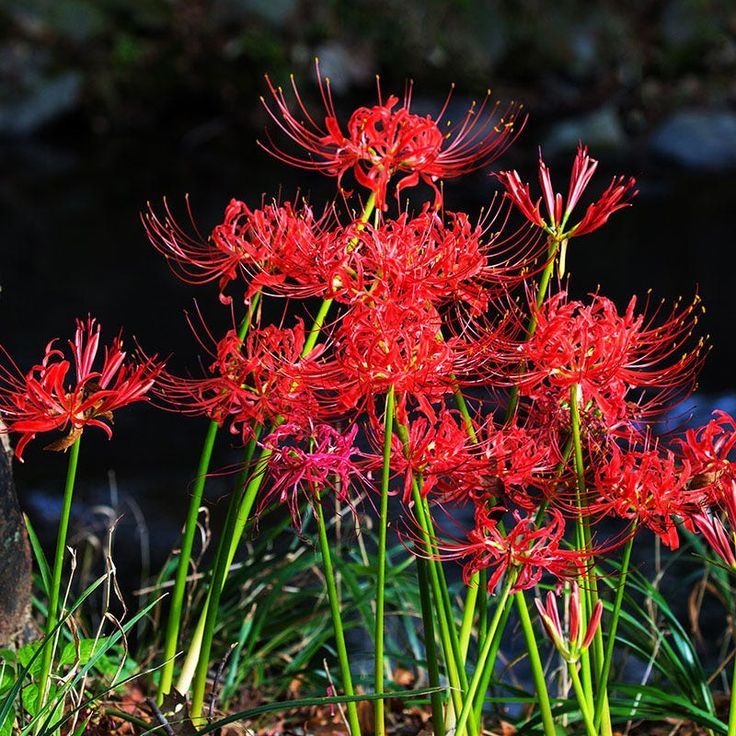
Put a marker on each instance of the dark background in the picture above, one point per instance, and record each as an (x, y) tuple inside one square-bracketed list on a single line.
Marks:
[(106, 104)]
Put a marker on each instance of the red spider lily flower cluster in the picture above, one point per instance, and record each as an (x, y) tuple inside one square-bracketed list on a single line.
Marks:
[(282, 247), (424, 305), (618, 194), (576, 640), (68, 394), (650, 486), (625, 367), (387, 140), (707, 451), (311, 460), (527, 550), (253, 381)]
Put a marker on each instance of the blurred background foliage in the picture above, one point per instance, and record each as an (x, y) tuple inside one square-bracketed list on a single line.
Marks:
[(109, 65)]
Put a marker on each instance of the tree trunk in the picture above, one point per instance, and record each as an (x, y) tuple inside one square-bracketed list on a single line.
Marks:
[(15, 557)]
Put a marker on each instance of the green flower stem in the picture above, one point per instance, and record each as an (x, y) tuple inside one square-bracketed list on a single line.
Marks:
[(428, 581), (234, 526), (553, 247), (451, 665), (187, 543), (342, 652), (483, 604), (316, 327), (483, 656), (471, 598), (732, 708), (388, 423), (540, 682), (585, 663), (182, 570), (237, 498), (590, 728), (589, 664), (488, 668), (613, 626), (425, 597), (445, 593), (52, 615), (475, 589)]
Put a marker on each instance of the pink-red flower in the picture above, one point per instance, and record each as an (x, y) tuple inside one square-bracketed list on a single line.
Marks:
[(720, 540), (626, 366), (312, 459), (707, 449), (69, 394), (576, 640), (251, 382), (649, 486), (387, 140), (527, 550), (284, 247), (558, 211)]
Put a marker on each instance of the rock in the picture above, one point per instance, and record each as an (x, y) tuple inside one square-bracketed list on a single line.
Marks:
[(42, 101), (344, 66), (698, 139), (599, 129), (15, 560)]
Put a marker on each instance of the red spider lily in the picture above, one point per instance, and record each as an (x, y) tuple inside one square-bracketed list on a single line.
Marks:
[(311, 458), (438, 452), (608, 356), (388, 139), (577, 640), (386, 343), (522, 460), (527, 548), (441, 257), (650, 486), (252, 382), (707, 450), (614, 198), (47, 398), (272, 246), (721, 542)]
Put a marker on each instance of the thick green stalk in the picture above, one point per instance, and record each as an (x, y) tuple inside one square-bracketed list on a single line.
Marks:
[(182, 571), (425, 597), (540, 682), (52, 616), (225, 554), (613, 626), (483, 604), (590, 728), (732, 707), (592, 660), (445, 595), (388, 423), (468, 614), (342, 652), (553, 247), (178, 593), (237, 499), (483, 656), (456, 687), (485, 680)]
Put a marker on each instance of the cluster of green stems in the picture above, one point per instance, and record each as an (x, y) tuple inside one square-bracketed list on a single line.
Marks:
[(460, 712)]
